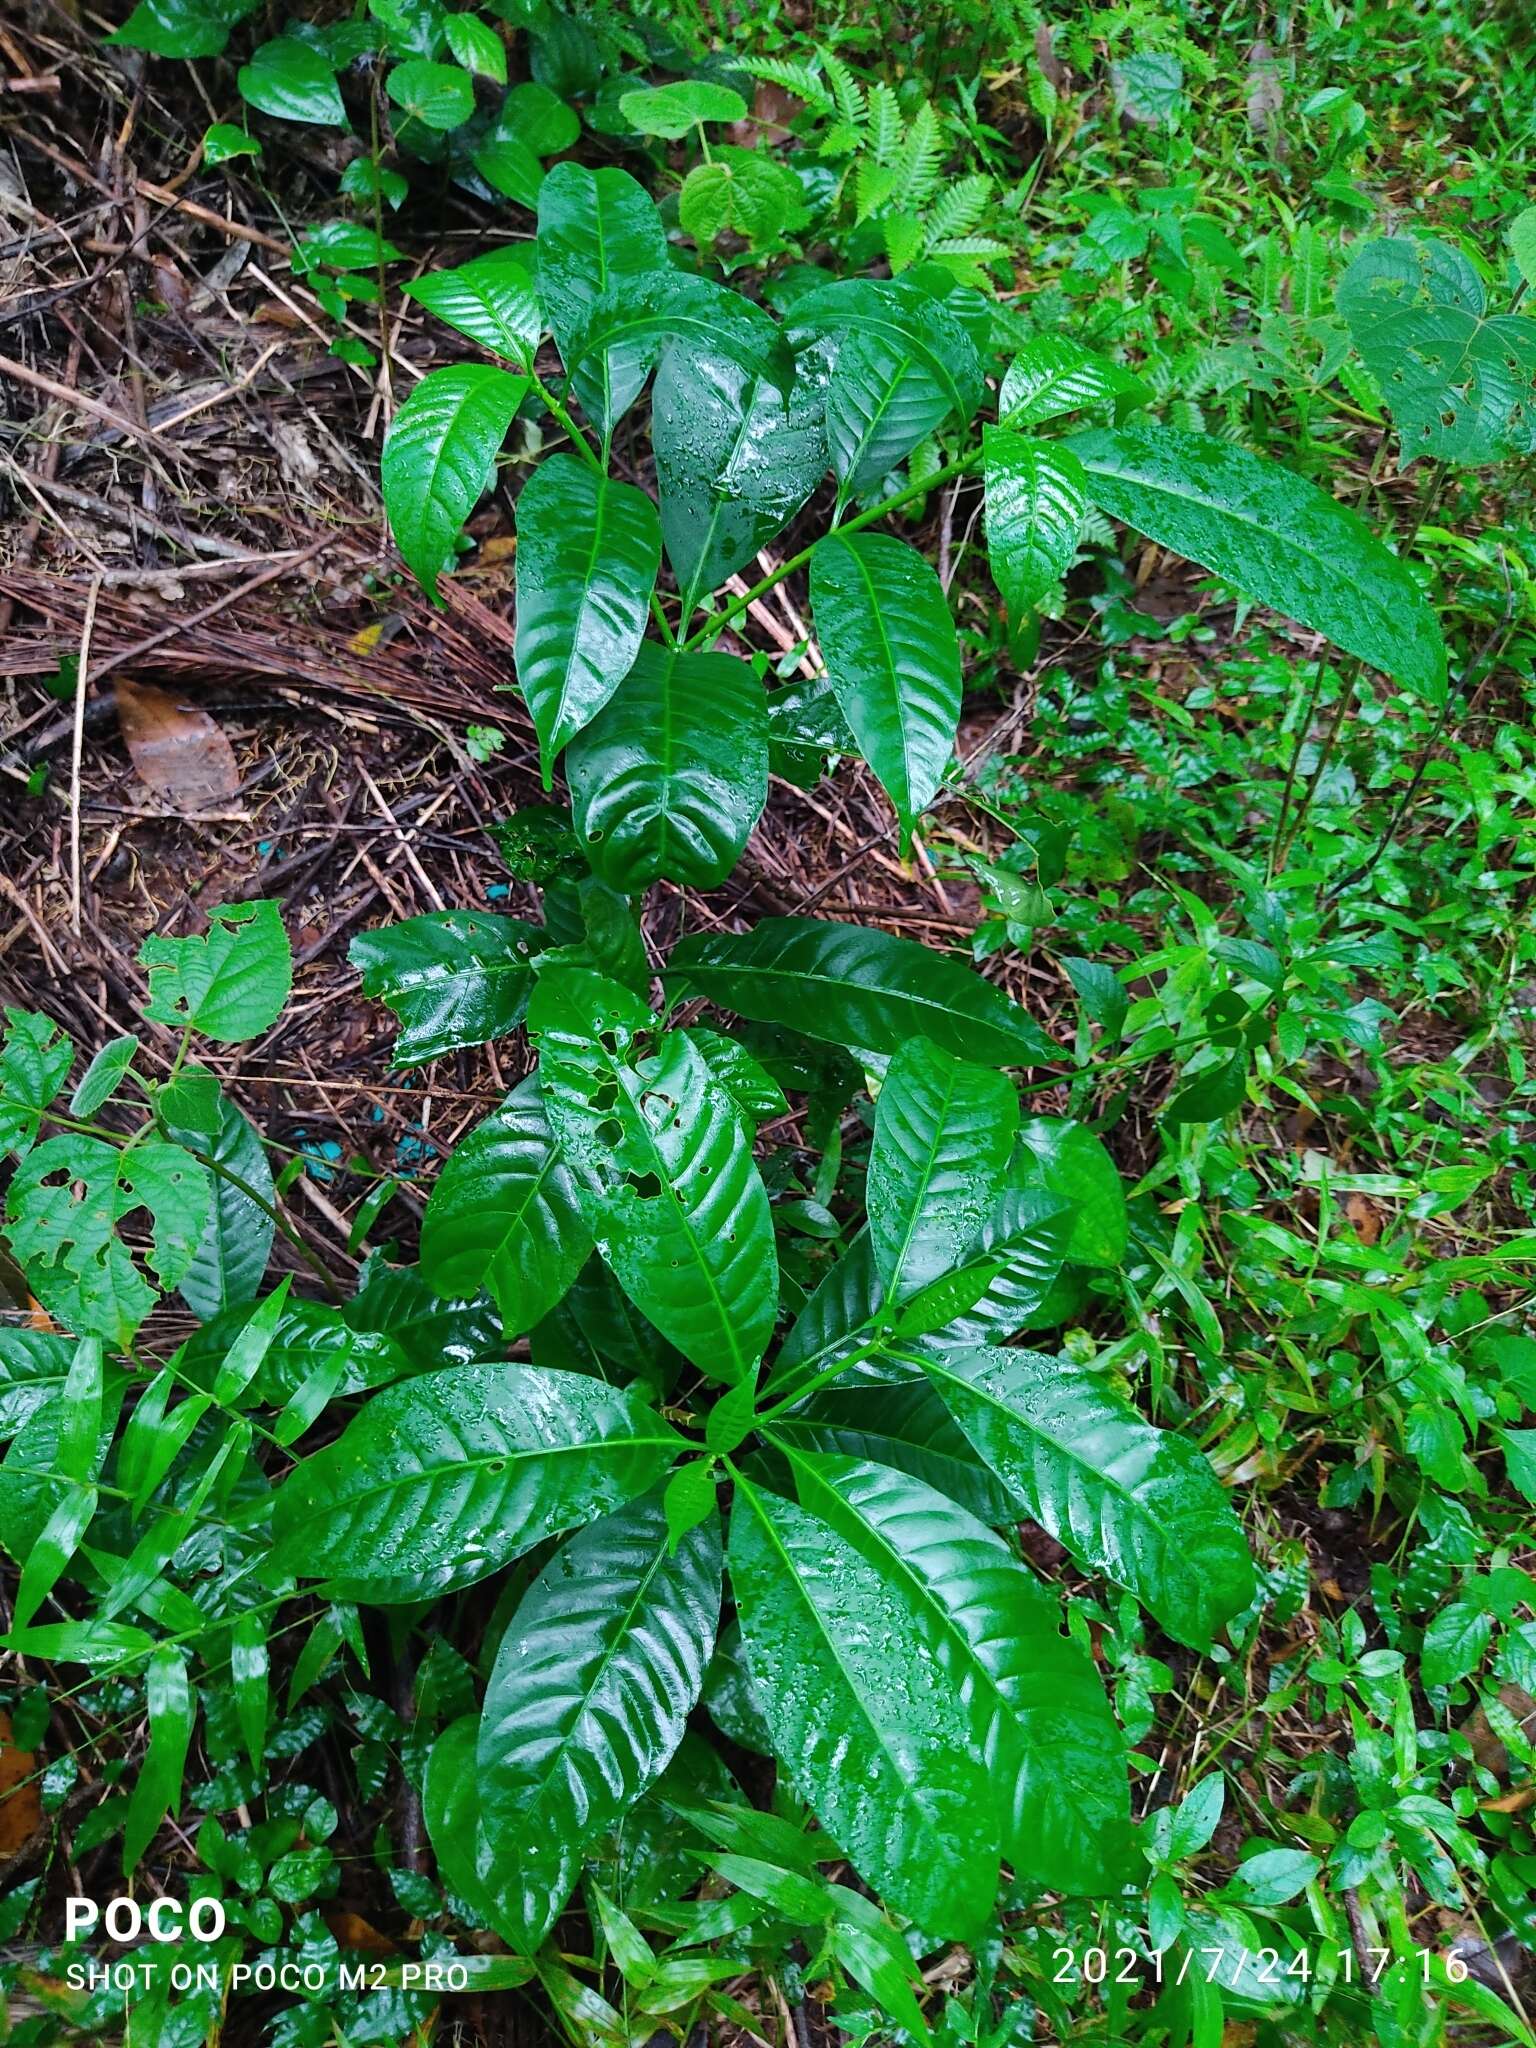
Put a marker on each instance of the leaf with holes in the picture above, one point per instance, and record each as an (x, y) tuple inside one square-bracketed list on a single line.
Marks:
[(439, 457), (1138, 1503), (1272, 536), (587, 554), (589, 1696), (664, 1169), (670, 777), (441, 1480), (67, 1202), (229, 985), (452, 977), (504, 1215), (853, 986), (1037, 500), (1460, 383), (890, 648)]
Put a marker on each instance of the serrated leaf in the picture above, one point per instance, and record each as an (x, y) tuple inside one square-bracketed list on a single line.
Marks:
[(1037, 500), (439, 96), (670, 777), (598, 232), (664, 1167), (890, 648), (735, 460), (34, 1065), (292, 80), (943, 1134), (440, 1480), (439, 456), (492, 300), (1272, 536), (229, 985), (1053, 1778), (841, 1667), (452, 977), (503, 1215), (856, 986), (587, 554), (1052, 375), (589, 1697), (1138, 1503)]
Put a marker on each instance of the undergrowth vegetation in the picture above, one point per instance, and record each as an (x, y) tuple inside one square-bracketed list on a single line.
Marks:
[(973, 1491)]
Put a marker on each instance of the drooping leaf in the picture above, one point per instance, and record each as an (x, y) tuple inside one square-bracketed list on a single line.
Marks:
[(452, 977), (231, 1255), (1066, 1159), (943, 1133), (854, 986), (599, 232), (438, 458), (1052, 375), (587, 554), (491, 299), (1272, 536), (1037, 499), (67, 1201), (1054, 1773), (157, 1783), (229, 985), (100, 1081), (440, 1480), (734, 460), (862, 1723), (889, 644), (291, 79), (670, 111), (589, 1696), (1138, 1503), (672, 774), (1459, 383), (664, 1170), (504, 1215)]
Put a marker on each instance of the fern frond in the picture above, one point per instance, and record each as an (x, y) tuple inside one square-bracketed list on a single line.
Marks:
[(799, 79), (885, 124), (917, 167), (959, 207), (852, 108)]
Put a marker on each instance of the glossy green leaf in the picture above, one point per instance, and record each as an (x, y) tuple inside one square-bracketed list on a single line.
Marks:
[(944, 1130), (632, 322), (1006, 1277), (745, 1079), (1053, 1778), (746, 192), (504, 1216), (1052, 375), (589, 1696), (669, 778), (181, 28), (587, 554), (856, 986), (597, 1329), (1066, 1159), (439, 457), (1138, 1503), (598, 232), (292, 80), (890, 1413), (101, 1079), (157, 1784), (452, 977), (1037, 500), (250, 1681), (33, 1364), (477, 47), (439, 96), (230, 984), (540, 120), (664, 1168), (67, 1202), (231, 1257), (903, 325), (1272, 536), (890, 648), (510, 167), (734, 460), (491, 299), (670, 111), (842, 1665), (439, 1481)]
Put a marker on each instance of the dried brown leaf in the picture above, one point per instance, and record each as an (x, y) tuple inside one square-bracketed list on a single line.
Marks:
[(179, 752)]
